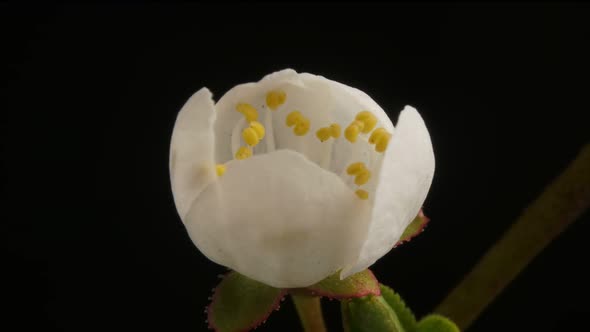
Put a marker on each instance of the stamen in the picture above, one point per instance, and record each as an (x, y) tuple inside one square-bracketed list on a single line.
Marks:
[(382, 143), (243, 153), (368, 119), (302, 127), (362, 177), (377, 133), (362, 194), (356, 168), (250, 136), (359, 124), (327, 155), (335, 130), (324, 133), (293, 118), (250, 113), (380, 137), (270, 140), (353, 130), (259, 128), (275, 98), (235, 135), (220, 168), (300, 122)]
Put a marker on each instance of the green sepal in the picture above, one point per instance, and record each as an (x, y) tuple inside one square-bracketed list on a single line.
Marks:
[(357, 285), (346, 320), (370, 314), (436, 323), (414, 228), (404, 314), (241, 304)]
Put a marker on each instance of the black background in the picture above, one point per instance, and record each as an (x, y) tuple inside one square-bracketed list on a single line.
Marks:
[(94, 241)]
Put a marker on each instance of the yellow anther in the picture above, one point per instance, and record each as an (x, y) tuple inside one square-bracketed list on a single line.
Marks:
[(362, 177), (275, 98), (362, 194), (368, 119), (243, 153), (335, 130), (382, 143), (376, 135), (220, 168), (356, 168), (293, 118), (250, 136), (324, 133), (259, 128), (352, 132), (363, 115), (301, 127), (380, 137), (359, 124), (250, 113)]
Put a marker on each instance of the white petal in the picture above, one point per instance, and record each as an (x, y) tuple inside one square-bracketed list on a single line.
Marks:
[(228, 117), (347, 103), (280, 219), (314, 101), (311, 98), (404, 180), (192, 150)]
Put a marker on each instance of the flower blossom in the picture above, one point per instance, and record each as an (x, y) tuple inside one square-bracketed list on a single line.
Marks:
[(296, 177)]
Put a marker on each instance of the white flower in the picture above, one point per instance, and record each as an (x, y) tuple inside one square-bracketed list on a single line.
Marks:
[(296, 177)]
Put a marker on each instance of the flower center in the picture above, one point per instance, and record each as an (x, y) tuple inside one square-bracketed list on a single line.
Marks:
[(249, 132)]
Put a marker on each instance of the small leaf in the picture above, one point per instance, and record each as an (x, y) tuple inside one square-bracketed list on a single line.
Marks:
[(414, 228), (436, 323), (404, 314), (372, 314), (240, 303), (357, 285)]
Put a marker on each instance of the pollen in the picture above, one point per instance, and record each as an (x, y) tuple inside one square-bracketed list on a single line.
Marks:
[(377, 133), (299, 123), (356, 168), (335, 130), (362, 177), (382, 143), (293, 118), (362, 194), (259, 128), (302, 127), (368, 119), (380, 137), (275, 98), (353, 130), (324, 133), (220, 169), (249, 112), (250, 136), (243, 152)]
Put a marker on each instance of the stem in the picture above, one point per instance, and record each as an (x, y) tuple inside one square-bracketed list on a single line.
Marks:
[(345, 313), (309, 310), (565, 199)]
